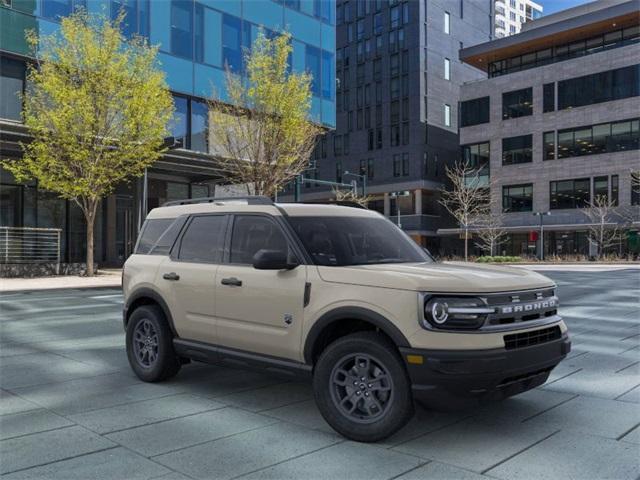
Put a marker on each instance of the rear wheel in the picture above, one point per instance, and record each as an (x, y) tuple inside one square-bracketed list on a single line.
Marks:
[(361, 387), (150, 345)]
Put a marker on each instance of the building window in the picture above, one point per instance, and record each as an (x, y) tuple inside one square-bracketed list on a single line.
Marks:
[(395, 135), (136, 20), (397, 167), (337, 145), (477, 155), (328, 75), (199, 126), (447, 69), (447, 115), (394, 15), (549, 145), (370, 168), (56, 9), (615, 191), (312, 61), (179, 125), (231, 43), (474, 112), (517, 103), (447, 23), (517, 198), (599, 87), (516, 150), (601, 188), (603, 138), (566, 194), (405, 164), (370, 142), (182, 28), (339, 172), (635, 188), (378, 139), (549, 97), (12, 78), (377, 24)]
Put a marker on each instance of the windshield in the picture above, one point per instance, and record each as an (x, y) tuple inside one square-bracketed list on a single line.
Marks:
[(344, 241)]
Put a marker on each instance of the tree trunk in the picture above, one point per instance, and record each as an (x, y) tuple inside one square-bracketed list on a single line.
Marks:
[(90, 217), (466, 243)]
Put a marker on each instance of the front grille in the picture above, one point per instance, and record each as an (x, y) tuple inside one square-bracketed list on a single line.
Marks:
[(522, 300), (528, 339)]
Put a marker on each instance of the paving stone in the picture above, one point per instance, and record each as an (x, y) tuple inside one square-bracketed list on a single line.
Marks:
[(566, 455), (95, 393), (246, 452), (440, 471), (305, 414), (633, 436), (46, 447), (11, 349), (346, 460), (41, 368), (141, 413), (269, 397), (598, 362), (631, 396), (179, 433), (477, 444), (33, 421), (596, 384), (10, 403), (596, 416), (114, 464), (523, 406), (227, 383)]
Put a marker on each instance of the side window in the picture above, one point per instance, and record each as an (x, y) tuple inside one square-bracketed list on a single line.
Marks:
[(252, 233), (168, 238), (152, 230), (204, 239)]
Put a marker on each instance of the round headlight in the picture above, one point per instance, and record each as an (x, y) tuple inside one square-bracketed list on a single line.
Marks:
[(439, 311)]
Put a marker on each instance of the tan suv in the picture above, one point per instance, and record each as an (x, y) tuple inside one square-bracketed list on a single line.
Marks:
[(340, 294)]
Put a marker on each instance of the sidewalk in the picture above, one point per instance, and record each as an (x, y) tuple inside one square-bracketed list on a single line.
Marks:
[(576, 267), (104, 278)]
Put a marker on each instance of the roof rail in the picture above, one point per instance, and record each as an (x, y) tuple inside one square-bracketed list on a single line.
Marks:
[(251, 200), (340, 203)]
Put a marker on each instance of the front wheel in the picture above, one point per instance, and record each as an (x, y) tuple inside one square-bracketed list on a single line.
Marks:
[(361, 387), (150, 345)]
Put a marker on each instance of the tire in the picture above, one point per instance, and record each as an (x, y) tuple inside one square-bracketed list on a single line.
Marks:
[(369, 410), (152, 357)]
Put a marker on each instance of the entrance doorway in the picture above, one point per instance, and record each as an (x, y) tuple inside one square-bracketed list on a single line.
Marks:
[(125, 232)]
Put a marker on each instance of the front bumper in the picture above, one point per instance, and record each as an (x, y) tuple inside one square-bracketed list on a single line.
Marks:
[(452, 379)]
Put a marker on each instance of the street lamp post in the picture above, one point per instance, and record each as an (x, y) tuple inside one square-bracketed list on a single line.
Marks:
[(541, 215), (364, 181), (396, 195)]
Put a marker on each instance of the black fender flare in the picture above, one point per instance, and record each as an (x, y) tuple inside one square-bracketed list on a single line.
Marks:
[(352, 313), (145, 292)]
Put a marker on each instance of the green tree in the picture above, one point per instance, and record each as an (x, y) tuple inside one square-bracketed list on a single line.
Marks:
[(261, 131), (97, 107)]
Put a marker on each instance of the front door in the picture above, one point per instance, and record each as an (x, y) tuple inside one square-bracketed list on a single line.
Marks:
[(124, 227), (259, 310), (188, 277)]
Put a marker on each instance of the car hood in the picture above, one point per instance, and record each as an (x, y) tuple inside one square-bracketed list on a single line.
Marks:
[(451, 277)]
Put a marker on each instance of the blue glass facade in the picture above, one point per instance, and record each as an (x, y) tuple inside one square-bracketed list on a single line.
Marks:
[(198, 39)]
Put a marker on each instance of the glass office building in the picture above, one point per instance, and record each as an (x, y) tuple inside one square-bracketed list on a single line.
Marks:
[(198, 40)]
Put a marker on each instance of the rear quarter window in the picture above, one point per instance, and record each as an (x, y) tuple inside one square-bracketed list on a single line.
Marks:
[(151, 232)]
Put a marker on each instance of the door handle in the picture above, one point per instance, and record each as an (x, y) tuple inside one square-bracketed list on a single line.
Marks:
[(233, 281), (171, 276)]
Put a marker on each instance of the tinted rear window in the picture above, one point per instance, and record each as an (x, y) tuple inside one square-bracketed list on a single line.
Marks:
[(204, 239), (151, 232)]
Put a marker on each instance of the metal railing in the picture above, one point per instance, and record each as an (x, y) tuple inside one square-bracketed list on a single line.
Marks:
[(30, 245)]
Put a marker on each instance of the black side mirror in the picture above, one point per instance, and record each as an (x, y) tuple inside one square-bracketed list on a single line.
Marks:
[(273, 260)]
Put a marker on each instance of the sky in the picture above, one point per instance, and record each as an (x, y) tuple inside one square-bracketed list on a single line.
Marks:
[(552, 6)]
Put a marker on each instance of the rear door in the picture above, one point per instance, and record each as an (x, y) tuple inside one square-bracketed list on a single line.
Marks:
[(187, 276), (259, 311)]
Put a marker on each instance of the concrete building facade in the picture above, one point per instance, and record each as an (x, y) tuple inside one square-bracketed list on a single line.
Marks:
[(511, 15), (398, 87), (558, 123)]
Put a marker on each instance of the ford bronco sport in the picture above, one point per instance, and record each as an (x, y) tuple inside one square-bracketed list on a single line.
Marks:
[(340, 294)]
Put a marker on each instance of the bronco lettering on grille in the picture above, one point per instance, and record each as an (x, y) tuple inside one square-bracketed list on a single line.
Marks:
[(529, 307)]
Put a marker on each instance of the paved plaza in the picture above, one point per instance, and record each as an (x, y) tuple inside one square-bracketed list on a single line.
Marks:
[(70, 407)]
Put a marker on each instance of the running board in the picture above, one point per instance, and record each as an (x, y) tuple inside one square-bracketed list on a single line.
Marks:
[(207, 353)]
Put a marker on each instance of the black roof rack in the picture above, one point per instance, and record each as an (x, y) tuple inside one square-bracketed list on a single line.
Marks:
[(251, 200)]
